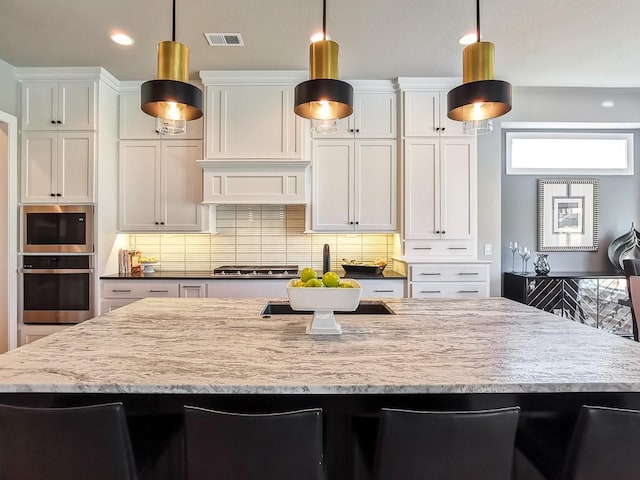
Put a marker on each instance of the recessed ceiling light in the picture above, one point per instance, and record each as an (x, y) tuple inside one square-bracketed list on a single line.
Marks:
[(121, 38), (607, 104), (468, 38)]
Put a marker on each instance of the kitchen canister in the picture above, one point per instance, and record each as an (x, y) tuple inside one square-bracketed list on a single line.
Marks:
[(541, 264)]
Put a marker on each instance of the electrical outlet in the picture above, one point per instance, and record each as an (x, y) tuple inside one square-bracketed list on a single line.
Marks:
[(488, 249)]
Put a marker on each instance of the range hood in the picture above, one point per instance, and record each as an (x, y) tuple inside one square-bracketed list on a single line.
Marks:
[(255, 182)]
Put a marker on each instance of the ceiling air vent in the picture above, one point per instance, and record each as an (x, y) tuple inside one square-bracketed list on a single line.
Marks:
[(224, 39)]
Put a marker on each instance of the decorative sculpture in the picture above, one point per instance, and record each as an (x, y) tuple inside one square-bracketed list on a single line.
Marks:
[(625, 246)]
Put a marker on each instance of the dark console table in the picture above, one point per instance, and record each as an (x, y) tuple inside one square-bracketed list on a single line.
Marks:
[(592, 298)]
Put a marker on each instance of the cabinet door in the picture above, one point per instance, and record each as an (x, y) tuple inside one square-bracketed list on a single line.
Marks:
[(75, 167), (375, 115), (181, 185), (135, 124), (39, 105), (333, 182), (39, 167), (193, 290), (375, 185), (422, 189), (389, 288), (421, 113), (252, 122), (76, 105), (139, 186), (458, 188)]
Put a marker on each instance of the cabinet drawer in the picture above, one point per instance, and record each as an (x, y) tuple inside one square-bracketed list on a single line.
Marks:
[(112, 304), (382, 288), (439, 248), (449, 273), (122, 289), (449, 289)]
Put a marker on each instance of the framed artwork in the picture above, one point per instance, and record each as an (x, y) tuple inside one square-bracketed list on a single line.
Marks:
[(568, 215)]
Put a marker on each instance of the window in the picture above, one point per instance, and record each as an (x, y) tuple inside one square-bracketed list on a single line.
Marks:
[(569, 153)]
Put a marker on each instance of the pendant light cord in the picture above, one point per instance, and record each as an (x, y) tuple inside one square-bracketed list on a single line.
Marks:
[(173, 28), (324, 18), (477, 19)]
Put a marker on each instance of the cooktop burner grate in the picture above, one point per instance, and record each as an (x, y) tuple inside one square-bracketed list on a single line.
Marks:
[(256, 270)]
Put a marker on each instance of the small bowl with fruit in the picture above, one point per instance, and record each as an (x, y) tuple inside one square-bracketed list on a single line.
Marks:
[(324, 296), (148, 263)]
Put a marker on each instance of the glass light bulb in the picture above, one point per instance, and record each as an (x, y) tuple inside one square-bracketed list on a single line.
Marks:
[(477, 127), (324, 127), (168, 126)]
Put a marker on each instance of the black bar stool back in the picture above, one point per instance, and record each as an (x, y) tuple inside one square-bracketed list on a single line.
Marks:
[(446, 445), (279, 446), (605, 445), (65, 443)]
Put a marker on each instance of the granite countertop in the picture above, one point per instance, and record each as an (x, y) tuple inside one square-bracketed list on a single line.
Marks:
[(207, 275), (224, 346)]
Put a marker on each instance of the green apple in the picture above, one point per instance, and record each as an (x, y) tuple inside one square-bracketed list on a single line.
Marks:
[(307, 274), (331, 279)]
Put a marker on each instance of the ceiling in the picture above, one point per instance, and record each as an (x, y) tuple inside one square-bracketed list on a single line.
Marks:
[(538, 42)]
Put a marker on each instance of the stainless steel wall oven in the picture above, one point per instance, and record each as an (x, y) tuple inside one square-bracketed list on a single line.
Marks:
[(57, 289), (57, 228)]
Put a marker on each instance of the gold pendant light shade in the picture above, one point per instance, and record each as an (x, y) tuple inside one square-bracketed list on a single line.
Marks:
[(478, 62), (323, 97), (173, 61)]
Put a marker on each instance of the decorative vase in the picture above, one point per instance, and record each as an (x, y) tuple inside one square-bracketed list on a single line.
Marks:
[(541, 264), (623, 247)]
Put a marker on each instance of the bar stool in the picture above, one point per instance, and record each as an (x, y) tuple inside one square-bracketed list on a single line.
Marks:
[(605, 444), (65, 443), (283, 446), (416, 445)]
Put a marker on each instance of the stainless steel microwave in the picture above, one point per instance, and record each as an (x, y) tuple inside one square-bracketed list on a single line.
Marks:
[(57, 228)]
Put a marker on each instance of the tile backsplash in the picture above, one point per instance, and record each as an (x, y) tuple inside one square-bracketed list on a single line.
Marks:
[(260, 235)]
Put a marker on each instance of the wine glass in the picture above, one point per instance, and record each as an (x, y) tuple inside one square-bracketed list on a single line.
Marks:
[(513, 247), (525, 254)]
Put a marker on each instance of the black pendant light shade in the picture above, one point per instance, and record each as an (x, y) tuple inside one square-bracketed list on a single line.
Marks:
[(160, 97), (323, 99), (479, 100)]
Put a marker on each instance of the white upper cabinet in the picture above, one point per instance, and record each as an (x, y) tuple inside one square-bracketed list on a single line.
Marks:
[(440, 189), (58, 167), (137, 125), (354, 185), (58, 105), (249, 115), (160, 186), (374, 115), (425, 108)]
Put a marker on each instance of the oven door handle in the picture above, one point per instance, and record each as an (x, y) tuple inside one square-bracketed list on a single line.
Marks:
[(56, 271)]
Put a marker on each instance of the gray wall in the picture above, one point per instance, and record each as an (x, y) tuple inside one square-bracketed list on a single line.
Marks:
[(619, 195), (8, 88)]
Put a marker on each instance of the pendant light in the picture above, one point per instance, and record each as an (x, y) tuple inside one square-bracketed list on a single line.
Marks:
[(170, 98), (480, 98), (323, 98)]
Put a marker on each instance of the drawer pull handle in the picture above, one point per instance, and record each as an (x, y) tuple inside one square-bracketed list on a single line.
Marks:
[(158, 291), (467, 291), (457, 248), (430, 274), (422, 248), (429, 291), (191, 286), (121, 291), (468, 273), (383, 291)]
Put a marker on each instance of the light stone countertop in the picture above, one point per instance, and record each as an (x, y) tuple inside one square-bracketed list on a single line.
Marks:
[(159, 345)]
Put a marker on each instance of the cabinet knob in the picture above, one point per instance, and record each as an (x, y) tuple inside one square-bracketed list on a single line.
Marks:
[(350, 223), (351, 130), (59, 122), (357, 130), (357, 223), (58, 194), (161, 223), (53, 121), (53, 194), (157, 223), (443, 231), (437, 231), (437, 129), (443, 128)]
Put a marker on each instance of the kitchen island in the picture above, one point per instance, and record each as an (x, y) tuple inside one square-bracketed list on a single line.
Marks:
[(156, 355)]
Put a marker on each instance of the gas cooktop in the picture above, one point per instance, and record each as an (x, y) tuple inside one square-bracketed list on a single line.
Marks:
[(281, 271)]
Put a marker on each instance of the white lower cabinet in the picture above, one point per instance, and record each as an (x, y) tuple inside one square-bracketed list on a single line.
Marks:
[(31, 333), (247, 288), (388, 288), (193, 289), (118, 293), (448, 280)]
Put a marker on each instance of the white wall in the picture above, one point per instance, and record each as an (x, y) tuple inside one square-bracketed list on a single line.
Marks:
[(538, 104), (8, 88)]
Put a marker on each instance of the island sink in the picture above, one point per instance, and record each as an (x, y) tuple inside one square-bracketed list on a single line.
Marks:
[(366, 307)]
